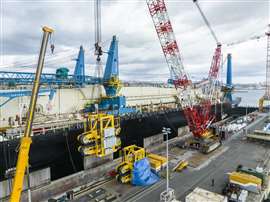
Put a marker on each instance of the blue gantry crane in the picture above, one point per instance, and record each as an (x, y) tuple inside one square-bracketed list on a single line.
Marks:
[(60, 78), (111, 81), (112, 103), (51, 80)]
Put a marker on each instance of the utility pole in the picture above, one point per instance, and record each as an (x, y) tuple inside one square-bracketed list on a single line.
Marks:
[(167, 131), (246, 118), (267, 91), (168, 194)]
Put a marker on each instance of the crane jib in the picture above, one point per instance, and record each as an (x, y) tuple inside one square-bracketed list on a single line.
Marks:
[(197, 111), (163, 26)]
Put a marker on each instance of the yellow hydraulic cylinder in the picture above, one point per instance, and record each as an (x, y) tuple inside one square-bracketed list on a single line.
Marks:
[(23, 157)]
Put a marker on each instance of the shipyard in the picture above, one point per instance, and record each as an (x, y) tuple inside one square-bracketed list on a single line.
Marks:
[(158, 105)]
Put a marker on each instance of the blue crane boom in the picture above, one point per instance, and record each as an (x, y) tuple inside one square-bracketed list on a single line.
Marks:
[(112, 64), (112, 103), (111, 80), (229, 86), (79, 72), (229, 70)]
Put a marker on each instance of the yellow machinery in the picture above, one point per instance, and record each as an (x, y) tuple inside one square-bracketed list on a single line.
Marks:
[(114, 83), (131, 154), (207, 143), (155, 164), (181, 165), (101, 135), (261, 101), (156, 161), (245, 179), (23, 157)]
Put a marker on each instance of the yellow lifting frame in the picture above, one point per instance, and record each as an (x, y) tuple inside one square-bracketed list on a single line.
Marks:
[(94, 130), (133, 153)]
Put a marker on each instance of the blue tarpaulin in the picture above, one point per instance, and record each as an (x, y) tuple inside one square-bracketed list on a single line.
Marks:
[(142, 174)]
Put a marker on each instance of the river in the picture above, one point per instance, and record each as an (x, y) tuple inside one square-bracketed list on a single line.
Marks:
[(249, 97)]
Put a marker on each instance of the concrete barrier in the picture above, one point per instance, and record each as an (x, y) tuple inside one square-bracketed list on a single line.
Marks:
[(153, 140), (93, 162), (37, 179)]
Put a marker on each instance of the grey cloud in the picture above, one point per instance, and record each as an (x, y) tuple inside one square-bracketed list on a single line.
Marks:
[(139, 48)]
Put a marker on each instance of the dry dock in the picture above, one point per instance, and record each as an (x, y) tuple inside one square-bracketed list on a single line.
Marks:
[(203, 168), (239, 151)]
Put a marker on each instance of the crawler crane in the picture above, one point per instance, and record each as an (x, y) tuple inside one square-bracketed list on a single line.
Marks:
[(197, 110)]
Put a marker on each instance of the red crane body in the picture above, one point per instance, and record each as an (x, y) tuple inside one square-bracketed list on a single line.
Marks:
[(197, 112)]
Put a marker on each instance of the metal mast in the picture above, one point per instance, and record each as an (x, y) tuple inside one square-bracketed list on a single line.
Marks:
[(267, 90), (98, 49), (97, 13)]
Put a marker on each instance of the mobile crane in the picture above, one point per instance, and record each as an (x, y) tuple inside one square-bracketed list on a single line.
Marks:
[(23, 157), (197, 110)]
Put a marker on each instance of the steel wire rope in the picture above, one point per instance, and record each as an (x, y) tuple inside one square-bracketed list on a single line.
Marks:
[(69, 152)]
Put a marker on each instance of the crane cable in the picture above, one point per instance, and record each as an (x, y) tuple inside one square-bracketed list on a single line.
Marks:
[(206, 21), (256, 37)]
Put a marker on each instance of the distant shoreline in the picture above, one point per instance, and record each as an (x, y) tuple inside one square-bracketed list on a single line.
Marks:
[(247, 90)]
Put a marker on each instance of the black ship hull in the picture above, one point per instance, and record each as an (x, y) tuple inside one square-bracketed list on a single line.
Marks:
[(58, 150)]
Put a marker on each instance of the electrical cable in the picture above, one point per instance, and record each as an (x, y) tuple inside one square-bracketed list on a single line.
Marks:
[(69, 152)]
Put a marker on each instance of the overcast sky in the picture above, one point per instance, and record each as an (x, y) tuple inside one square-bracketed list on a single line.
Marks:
[(140, 54)]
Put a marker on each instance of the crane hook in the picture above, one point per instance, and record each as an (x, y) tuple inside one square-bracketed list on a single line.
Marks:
[(52, 48), (51, 44)]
